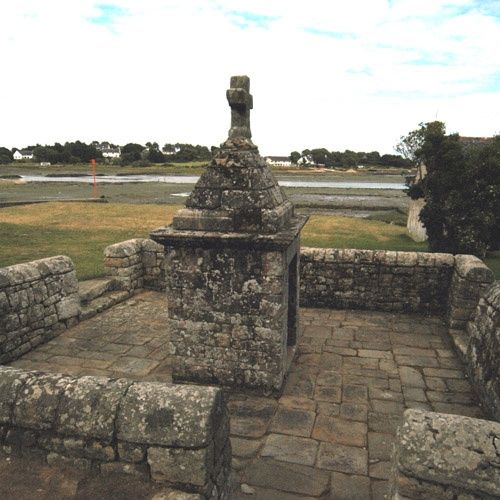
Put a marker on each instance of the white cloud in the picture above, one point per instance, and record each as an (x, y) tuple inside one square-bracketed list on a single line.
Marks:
[(160, 70)]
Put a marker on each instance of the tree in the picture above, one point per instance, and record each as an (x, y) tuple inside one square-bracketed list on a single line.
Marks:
[(82, 152), (131, 152), (294, 157), (320, 156), (350, 158), (155, 155), (5, 156), (461, 190)]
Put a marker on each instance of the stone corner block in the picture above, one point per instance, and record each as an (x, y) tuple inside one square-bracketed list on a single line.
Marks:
[(151, 246), (68, 307), (436, 450), (59, 264), (124, 248), (473, 269), (11, 382), (168, 414), (88, 407), (38, 399)]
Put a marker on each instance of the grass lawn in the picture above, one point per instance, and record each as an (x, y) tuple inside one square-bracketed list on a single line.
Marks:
[(82, 230)]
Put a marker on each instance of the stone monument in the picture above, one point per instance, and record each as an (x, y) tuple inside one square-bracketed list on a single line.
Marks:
[(231, 266)]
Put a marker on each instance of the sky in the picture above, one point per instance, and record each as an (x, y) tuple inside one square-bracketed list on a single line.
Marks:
[(354, 74)]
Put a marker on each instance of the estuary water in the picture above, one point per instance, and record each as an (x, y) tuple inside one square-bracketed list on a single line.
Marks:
[(192, 179)]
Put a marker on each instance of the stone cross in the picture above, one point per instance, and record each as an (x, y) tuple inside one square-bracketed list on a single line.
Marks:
[(241, 102)]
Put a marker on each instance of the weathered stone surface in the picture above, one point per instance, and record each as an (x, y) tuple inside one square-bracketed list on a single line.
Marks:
[(338, 430), (37, 301), (483, 351), (230, 318), (378, 280), (446, 452), (349, 487), (77, 421), (177, 465), (340, 458), (292, 478), (293, 421), (291, 449), (237, 192), (88, 407), (251, 417), (169, 415), (245, 448), (38, 400), (11, 382)]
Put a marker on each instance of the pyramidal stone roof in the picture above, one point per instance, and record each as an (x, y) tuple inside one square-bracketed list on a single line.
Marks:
[(237, 192)]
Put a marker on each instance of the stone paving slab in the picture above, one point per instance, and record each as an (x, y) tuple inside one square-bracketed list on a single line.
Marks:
[(330, 434)]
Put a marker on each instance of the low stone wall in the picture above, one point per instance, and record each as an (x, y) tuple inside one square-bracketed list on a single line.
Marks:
[(137, 263), (37, 300), (430, 283), (483, 353), (471, 278), (445, 456), (173, 434), (379, 280)]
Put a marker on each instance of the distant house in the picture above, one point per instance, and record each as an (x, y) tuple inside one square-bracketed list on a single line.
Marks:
[(305, 160), (278, 161), (111, 152), (23, 154), (108, 150), (474, 141), (168, 150)]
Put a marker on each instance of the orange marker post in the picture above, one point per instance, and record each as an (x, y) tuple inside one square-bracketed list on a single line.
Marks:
[(94, 187)]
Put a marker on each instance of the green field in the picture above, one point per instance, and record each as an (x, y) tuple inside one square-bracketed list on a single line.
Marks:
[(83, 230)]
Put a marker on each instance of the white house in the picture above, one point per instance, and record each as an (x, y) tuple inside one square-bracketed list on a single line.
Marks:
[(23, 154), (111, 152), (305, 160), (170, 150), (107, 149), (278, 161)]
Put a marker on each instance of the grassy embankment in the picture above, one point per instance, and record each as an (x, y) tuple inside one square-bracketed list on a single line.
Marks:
[(194, 167), (82, 231)]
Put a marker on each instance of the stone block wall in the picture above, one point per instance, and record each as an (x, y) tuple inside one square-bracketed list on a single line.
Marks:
[(137, 263), (37, 300), (471, 278), (445, 456), (172, 434), (483, 353), (227, 315), (379, 280)]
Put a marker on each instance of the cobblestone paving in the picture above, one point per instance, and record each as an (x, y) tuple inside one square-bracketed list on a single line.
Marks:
[(127, 340), (330, 433)]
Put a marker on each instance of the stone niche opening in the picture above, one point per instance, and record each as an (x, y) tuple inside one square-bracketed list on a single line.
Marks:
[(232, 267), (292, 301)]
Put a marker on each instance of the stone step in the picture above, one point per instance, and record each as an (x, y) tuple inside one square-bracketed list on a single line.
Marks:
[(92, 289), (99, 304)]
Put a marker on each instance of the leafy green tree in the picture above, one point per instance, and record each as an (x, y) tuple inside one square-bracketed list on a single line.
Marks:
[(373, 158), (82, 152), (461, 190), (131, 152), (350, 158), (320, 156), (294, 157), (5, 156), (155, 155)]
